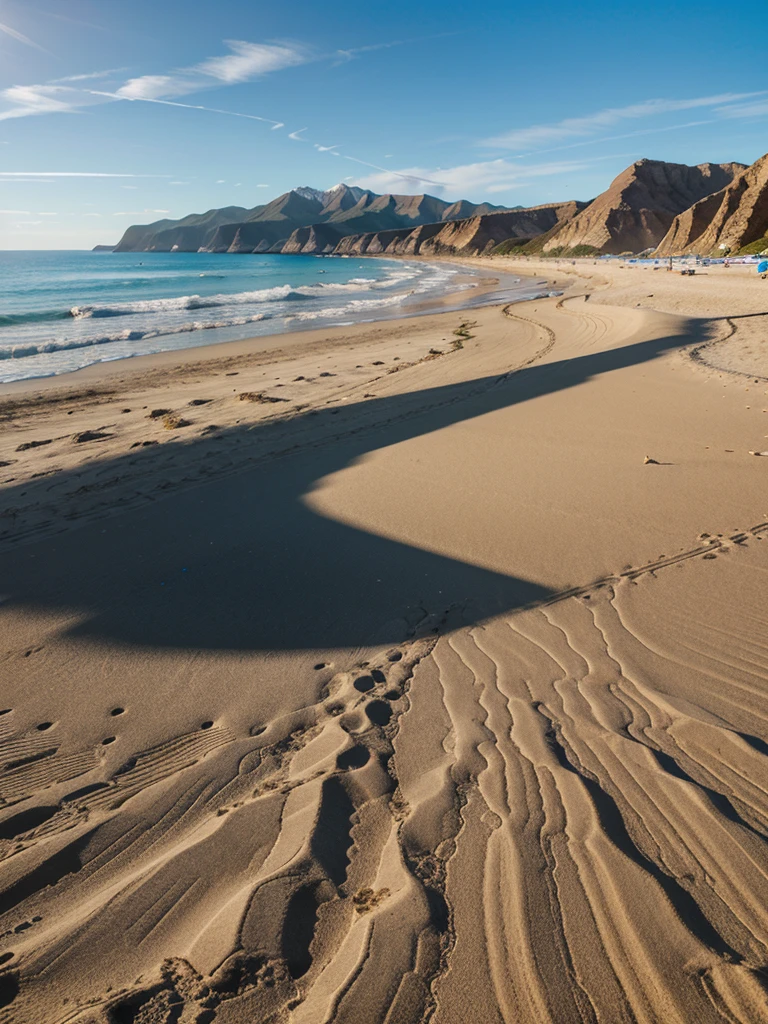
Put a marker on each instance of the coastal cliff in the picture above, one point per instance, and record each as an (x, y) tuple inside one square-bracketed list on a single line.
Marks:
[(637, 209), (732, 219), (472, 236)]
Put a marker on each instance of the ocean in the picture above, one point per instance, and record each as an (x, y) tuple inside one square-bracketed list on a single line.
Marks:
[(60, 311)]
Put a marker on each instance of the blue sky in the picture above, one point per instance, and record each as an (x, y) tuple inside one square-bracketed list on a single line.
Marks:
[(115, 112)]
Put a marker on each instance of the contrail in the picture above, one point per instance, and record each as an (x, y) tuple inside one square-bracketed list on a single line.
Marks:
[(21, 38), (186, 106)]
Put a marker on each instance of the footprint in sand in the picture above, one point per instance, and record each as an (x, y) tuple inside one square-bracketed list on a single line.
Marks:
[(9, 988), (26, 821), (355, 757), (379, 712)]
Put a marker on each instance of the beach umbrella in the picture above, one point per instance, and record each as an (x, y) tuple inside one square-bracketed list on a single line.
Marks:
[(762, 267)]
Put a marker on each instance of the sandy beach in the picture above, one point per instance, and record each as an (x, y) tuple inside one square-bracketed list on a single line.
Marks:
[(402, 672)]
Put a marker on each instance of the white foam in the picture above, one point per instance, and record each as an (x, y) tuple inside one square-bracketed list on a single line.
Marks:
[(22, 350)]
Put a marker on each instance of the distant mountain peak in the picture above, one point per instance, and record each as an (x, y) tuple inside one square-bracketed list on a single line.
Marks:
[(307, 192), (324, 197)]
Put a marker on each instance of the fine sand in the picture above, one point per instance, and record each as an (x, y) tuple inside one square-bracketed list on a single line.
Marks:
[(377, 675)]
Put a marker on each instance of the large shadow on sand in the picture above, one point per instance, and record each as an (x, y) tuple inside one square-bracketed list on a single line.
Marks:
[(241, 563)]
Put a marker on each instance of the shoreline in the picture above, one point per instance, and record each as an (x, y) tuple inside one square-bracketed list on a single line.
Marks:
[(479, 294)]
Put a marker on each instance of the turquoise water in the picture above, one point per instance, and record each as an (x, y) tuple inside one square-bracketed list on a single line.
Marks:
[(60, 311)]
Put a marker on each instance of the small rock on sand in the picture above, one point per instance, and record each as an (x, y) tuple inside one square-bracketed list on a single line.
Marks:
[(90, 435)]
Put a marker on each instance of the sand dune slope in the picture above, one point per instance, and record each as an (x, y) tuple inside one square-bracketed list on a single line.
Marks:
[(454, 712)]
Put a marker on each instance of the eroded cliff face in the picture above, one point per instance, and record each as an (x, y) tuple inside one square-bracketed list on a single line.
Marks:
[(640, 205), (480, 234), (319, 238), (734, 217), (473, 235)]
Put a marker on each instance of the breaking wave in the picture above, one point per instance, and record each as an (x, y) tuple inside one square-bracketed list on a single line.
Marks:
[(280, 293), (22, 350)]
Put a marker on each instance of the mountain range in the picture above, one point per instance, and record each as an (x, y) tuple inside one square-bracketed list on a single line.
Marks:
[(651, 206), (340, 211)]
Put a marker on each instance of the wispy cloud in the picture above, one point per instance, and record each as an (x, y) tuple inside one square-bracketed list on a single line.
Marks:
[(262, 186), (20, 37), (246, 62), (296, 136), (152, 87), (252, 60), (16, 213), (412, 175), (90, 76), (756, 109), (27, 100), (137, 213), (616, 138), (489, 176), (539, 135)]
